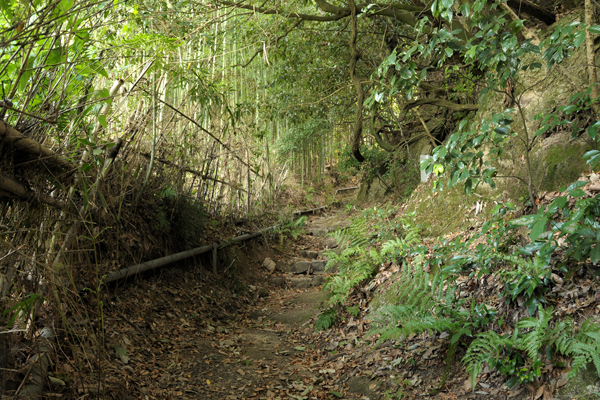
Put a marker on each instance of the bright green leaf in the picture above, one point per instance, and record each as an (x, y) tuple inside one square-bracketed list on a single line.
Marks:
[(538, 228)]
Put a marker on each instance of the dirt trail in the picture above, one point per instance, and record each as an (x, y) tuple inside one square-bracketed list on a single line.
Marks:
[(188, 334)]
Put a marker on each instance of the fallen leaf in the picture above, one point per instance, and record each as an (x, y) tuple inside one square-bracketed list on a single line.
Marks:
[(539, 393)]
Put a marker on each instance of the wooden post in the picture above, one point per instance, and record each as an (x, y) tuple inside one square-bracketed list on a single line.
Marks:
[(214, 257)]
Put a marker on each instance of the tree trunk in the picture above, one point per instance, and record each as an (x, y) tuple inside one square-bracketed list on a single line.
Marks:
[(591, 54), (360, 94)]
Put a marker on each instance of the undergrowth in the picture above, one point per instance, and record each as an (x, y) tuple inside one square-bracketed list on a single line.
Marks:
[(434, 302)]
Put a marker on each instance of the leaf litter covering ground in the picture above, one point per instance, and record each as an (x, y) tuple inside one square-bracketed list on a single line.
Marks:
[(182, 334)]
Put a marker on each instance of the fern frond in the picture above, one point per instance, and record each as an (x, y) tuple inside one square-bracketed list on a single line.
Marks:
[(355, 235), (487, 346)]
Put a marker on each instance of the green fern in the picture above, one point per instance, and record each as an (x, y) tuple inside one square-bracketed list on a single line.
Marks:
[(530, 337), (532, 342), (486, 348), (401, 246), (326, 319), (425, 304), (585, 348), (356, 235)]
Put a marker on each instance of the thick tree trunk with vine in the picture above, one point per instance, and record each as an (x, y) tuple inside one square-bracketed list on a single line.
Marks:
[(360, 93), (591, 54)]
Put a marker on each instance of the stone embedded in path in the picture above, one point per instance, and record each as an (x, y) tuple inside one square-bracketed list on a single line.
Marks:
[(317, 267), (312, 254), (269, 264), (331, 243), (318, 280), (301, 267), (278, 280), (319, 232), (302, 283), (306, 282)]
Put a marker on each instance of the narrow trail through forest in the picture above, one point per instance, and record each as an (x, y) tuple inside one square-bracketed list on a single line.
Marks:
[(249, 333), (182, 333)]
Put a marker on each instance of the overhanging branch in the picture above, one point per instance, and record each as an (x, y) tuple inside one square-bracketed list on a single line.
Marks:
[(441, 103)]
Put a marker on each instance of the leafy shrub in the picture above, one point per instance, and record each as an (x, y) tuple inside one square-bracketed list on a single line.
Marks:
[(326, 319), (530, 279), (292, 227), (521, 354), (357, 261)]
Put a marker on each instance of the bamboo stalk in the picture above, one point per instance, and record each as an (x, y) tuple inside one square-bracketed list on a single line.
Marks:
[(159, 262), (15, 138), (10, 187)]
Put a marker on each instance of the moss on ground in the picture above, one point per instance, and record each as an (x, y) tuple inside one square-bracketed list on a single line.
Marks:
[(449, 210)]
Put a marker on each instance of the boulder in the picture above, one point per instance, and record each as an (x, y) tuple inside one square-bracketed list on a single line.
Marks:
[(319, 280), (285, 267), (330, 243), (319, 232), (269, 264), (278, 280), (302, 283), (317, 267), (312, 254), (301, 267)]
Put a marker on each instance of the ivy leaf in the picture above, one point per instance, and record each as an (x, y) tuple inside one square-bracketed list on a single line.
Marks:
[(102, 120), (595, 254), (593, 129), (576, 185), (525, 220), (538, 228), (406, 73), (559, 202), (595, 29), (577, 193)]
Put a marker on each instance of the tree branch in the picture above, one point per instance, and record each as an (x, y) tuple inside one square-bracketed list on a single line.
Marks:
[(441, 103), (193, 171), (360, 98), (544, 15), (275, 11), (400, 12), (276, 42)]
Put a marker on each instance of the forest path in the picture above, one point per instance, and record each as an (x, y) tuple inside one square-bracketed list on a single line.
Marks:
[(187, 334)]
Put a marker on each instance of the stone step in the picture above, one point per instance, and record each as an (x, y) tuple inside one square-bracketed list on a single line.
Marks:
[(313, 267), (305, 282)]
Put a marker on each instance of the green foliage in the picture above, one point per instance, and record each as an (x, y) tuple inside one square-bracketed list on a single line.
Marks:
[(424, 304), (356, 235), (530, 279), (355, 264), (468, 153), (353, 310), (521, 354), (292, 227), (357, 261), (326, 319), (578, 227), (22, 307), (376, 163)]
